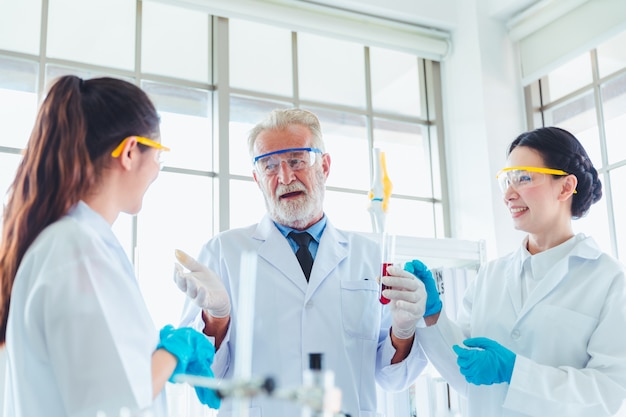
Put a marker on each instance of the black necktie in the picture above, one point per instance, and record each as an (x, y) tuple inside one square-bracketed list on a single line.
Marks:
[(303, 254)]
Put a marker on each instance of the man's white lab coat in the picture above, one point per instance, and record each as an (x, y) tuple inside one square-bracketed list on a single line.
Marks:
[(337, 314)]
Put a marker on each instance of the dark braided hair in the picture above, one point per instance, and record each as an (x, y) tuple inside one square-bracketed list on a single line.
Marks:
[(561, 150)]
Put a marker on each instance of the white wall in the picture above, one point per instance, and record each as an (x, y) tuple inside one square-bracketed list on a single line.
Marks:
[(483, 100)]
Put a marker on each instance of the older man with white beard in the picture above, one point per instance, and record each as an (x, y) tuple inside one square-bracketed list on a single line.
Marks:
[(314, 294)]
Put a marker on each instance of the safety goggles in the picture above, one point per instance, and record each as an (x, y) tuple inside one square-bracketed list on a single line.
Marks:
[(296, 159), (144, 141), (525, 177)]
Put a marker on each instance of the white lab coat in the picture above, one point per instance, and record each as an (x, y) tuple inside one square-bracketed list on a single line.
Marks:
[(337, 314), (569, 337), (79, 337)]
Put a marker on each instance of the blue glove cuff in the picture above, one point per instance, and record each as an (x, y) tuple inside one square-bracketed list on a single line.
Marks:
[(187, 345), (421, 271), (173, 346)]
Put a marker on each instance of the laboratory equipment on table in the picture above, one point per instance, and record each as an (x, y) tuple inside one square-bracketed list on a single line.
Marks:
[(318, 395)]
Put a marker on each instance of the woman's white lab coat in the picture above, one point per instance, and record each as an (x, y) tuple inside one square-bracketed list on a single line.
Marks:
[(79, 337), (337, 314), (569, 337)]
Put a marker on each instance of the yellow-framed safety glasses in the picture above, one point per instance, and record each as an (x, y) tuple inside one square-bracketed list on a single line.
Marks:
[(521, 177), (144, 141)]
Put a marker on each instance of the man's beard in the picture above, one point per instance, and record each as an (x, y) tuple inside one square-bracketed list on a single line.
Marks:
[(297, 213)]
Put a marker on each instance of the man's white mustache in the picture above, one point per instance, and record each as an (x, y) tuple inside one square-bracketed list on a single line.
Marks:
[(290, 188)]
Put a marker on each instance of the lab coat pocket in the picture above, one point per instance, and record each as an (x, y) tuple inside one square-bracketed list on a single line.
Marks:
[(360, 309), (566, 336)]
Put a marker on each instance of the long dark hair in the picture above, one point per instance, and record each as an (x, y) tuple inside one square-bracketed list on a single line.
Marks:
[(79, 123), (561, 150)]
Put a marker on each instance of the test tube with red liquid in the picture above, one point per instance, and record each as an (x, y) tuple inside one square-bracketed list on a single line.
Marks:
[(388, 247)]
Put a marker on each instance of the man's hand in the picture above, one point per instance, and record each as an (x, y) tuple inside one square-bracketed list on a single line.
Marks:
[(407, 297), (201, 285)]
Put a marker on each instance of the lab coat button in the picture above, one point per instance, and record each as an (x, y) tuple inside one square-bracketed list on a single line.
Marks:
[(515, 334), (309, 304)]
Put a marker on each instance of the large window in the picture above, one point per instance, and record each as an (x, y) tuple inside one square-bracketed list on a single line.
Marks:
[(365, 97), (212, 79), (587, 96)]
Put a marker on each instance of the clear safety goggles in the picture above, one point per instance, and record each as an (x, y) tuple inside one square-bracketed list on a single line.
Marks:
[(296, 159), (146, 142), (525, 177)]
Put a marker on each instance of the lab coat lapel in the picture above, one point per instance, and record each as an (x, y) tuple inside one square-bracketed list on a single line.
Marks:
[(513, 287), (332, 249), (276, 250), (586, 249), (553, 277)]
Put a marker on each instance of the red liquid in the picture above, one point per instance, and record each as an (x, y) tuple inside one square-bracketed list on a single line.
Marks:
[(383, 299)]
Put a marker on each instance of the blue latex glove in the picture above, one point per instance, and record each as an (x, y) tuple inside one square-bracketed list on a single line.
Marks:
[(491, 363), (202, 367), (187, 345), (421, 271)]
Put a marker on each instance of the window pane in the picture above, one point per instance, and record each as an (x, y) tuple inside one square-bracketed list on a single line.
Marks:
[(54, 71), (100, 32), (247, 205), (407, 154), (590, 140), (163, 225), (331, 71), (410, 218), (175, 42), (578, 116), (395, 82), (185, 124), (612, 55), (345, 137), (8, 167), (595, 223), (20, 27), (569, 77), (618, 185), (439, 220), (614, 107), (252, 47), (348, 211), (245, 113), (18, 101)]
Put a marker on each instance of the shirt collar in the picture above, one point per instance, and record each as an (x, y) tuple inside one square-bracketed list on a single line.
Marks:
[(315, 230), (541, 262)]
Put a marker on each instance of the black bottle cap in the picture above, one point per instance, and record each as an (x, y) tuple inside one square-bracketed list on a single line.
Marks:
[(315, 361)]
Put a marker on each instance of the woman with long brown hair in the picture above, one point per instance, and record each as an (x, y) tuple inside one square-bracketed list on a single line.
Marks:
[(79, 339)]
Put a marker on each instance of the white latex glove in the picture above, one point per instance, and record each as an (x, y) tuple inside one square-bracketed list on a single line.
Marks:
[(201, 285), (407, 297)]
